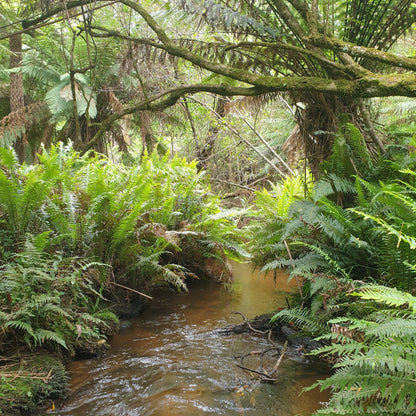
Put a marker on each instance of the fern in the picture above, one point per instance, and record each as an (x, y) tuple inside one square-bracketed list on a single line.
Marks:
[(377, 360), (333, 184), (134, 219), (302, 318), (40, 293), (270, 226), (389, 296)]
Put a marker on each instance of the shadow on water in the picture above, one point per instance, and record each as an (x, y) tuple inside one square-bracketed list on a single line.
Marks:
[(171, 361)]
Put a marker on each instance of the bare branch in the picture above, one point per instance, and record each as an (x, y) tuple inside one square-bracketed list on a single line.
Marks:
[(276, 366), (243, 139), (132, 290), (166, 99), (64, 5)]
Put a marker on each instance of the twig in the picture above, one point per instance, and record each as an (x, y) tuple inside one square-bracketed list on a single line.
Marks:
[(246, 321), (38, 376), (233, 184), (249, 354), (276, 366), (267, 380), (253, 371), (132, 290), (269, 337)]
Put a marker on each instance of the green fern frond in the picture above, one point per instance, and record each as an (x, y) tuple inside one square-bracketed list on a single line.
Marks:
[(20, 325), (333, 184), (389, 296), (377, 358), (334, 264), (306, 265), (8, 159), (301, 318), (40, 336)]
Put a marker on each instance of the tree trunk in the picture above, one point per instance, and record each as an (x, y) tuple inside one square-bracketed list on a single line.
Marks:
[(206, 150), (17, 101)]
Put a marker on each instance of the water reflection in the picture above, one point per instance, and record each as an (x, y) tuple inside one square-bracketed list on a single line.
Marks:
[(172, 361)]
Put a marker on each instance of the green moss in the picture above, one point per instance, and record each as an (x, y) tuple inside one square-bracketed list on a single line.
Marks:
[(26, 382), (110, 324), (96, 343)]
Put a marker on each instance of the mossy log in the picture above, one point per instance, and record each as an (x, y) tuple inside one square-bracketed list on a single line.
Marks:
[(28, 380)]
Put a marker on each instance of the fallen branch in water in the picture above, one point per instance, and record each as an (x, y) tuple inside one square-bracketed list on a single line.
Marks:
[(276, 366), (247, 322), (265, 377), (254, 371), (131, 290)]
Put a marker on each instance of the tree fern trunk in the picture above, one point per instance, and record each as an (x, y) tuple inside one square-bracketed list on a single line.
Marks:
[(16, 89)]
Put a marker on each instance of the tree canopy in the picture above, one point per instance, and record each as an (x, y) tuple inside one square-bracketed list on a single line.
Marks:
[(338, 50), (347, 45)]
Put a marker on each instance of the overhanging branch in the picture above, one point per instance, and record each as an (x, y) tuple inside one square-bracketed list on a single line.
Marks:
[(168, 98), (27, 23), (357, 51), (364, 84), (369, 85)]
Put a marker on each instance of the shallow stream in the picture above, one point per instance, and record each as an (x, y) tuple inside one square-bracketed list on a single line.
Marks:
[(172, 360)]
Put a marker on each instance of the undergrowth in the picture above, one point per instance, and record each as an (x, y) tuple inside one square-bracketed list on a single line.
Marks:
[(48, 300), (352, 242), (376, 356), (75, 227)]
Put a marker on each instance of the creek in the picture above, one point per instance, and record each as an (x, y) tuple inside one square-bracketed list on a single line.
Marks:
[(172, 360)]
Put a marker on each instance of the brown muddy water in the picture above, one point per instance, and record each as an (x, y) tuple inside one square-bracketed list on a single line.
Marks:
[(172, 361)]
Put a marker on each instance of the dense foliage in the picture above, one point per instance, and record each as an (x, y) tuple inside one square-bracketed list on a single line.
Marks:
[(48, 299), (74, 227), (105, 73), (353, 235), (375, 350), (81, 229)]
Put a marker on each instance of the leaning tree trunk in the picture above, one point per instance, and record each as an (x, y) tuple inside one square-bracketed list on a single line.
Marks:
[(17, 102)]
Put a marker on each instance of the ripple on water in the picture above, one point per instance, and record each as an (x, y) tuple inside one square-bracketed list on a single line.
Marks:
[(170, 361)]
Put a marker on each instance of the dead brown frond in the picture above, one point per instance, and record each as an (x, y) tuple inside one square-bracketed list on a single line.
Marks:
[(251, 104), (17, 123), (293, 147)]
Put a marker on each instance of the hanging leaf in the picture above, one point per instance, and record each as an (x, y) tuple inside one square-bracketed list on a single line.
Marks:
[(60, 98)]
